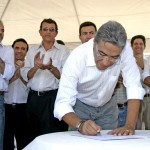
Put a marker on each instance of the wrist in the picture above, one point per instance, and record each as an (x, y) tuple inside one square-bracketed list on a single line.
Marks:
[(128, 126), (79, 125), (35, 68), (51, 69)]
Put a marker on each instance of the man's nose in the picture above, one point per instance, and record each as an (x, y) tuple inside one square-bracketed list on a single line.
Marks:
[(107, 62), (19, 50)]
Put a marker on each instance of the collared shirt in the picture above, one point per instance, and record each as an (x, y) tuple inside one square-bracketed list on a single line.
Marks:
[(82, 80), (44, 80), (7, 55), (17, 93), (120, 94), (146, 73)]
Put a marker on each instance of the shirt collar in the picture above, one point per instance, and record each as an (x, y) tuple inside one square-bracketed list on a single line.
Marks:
[(90, 61), (1, 45), (56, 45)]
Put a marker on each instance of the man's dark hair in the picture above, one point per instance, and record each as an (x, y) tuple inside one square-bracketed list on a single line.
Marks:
[(60, 42), (20, 40), (85, 24), (50, 21)]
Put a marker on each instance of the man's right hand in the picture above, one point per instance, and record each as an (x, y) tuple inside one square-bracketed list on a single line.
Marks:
[(38, 62), (89, 127)]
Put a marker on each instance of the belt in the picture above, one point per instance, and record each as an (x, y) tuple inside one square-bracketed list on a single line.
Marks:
[(43, 93), (1, 93), (122, 105), (14, 105), (147, 95)]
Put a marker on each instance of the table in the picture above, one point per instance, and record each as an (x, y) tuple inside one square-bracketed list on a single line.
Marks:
[(65, 141)]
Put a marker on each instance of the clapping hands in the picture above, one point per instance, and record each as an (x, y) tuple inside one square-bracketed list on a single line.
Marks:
[(38, 62)]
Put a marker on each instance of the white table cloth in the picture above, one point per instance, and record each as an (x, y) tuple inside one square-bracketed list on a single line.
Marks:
[(66, 141)]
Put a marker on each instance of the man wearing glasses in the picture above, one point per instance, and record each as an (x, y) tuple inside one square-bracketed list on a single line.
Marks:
[(42, 71), (88, 80)]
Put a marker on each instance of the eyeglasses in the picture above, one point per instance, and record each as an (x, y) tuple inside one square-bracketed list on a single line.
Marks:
[(100, 54), (49, 29)]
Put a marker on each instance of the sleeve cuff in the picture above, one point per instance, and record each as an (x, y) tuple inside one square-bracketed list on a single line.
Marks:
[(135, 93), (61, 110)]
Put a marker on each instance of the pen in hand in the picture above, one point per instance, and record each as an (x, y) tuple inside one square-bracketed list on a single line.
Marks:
[(98, 132)]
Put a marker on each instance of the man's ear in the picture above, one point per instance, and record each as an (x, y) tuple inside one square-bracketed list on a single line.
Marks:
[(40, 32)]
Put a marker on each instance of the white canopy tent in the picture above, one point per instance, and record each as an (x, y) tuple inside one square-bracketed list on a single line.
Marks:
[(22, 18)]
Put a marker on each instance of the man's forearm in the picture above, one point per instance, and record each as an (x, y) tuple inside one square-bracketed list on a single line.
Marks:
[(71, 119), (147, 81), (2, 66), (31, 72), (132, 113), (55, 72)]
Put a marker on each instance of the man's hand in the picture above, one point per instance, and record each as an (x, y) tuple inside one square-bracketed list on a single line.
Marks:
[(48, 65), (122, 131), (131, 119), (38, 62), (89, 127), (19, 64)]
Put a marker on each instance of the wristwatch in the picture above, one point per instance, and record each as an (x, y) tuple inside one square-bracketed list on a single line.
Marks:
[(78, 125)]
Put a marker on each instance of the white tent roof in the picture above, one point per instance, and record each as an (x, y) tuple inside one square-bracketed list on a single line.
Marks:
[(22, 18)]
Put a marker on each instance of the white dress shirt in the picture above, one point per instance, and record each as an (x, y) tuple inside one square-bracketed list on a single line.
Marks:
[(7, 55), (17, 93), (146, 73), (82, 80), (44, 80)]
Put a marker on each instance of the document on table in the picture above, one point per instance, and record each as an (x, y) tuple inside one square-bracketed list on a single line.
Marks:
[(144, 133), (105, 137)]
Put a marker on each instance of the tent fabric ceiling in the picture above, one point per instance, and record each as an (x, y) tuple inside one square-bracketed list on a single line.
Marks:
[(22, 18)]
